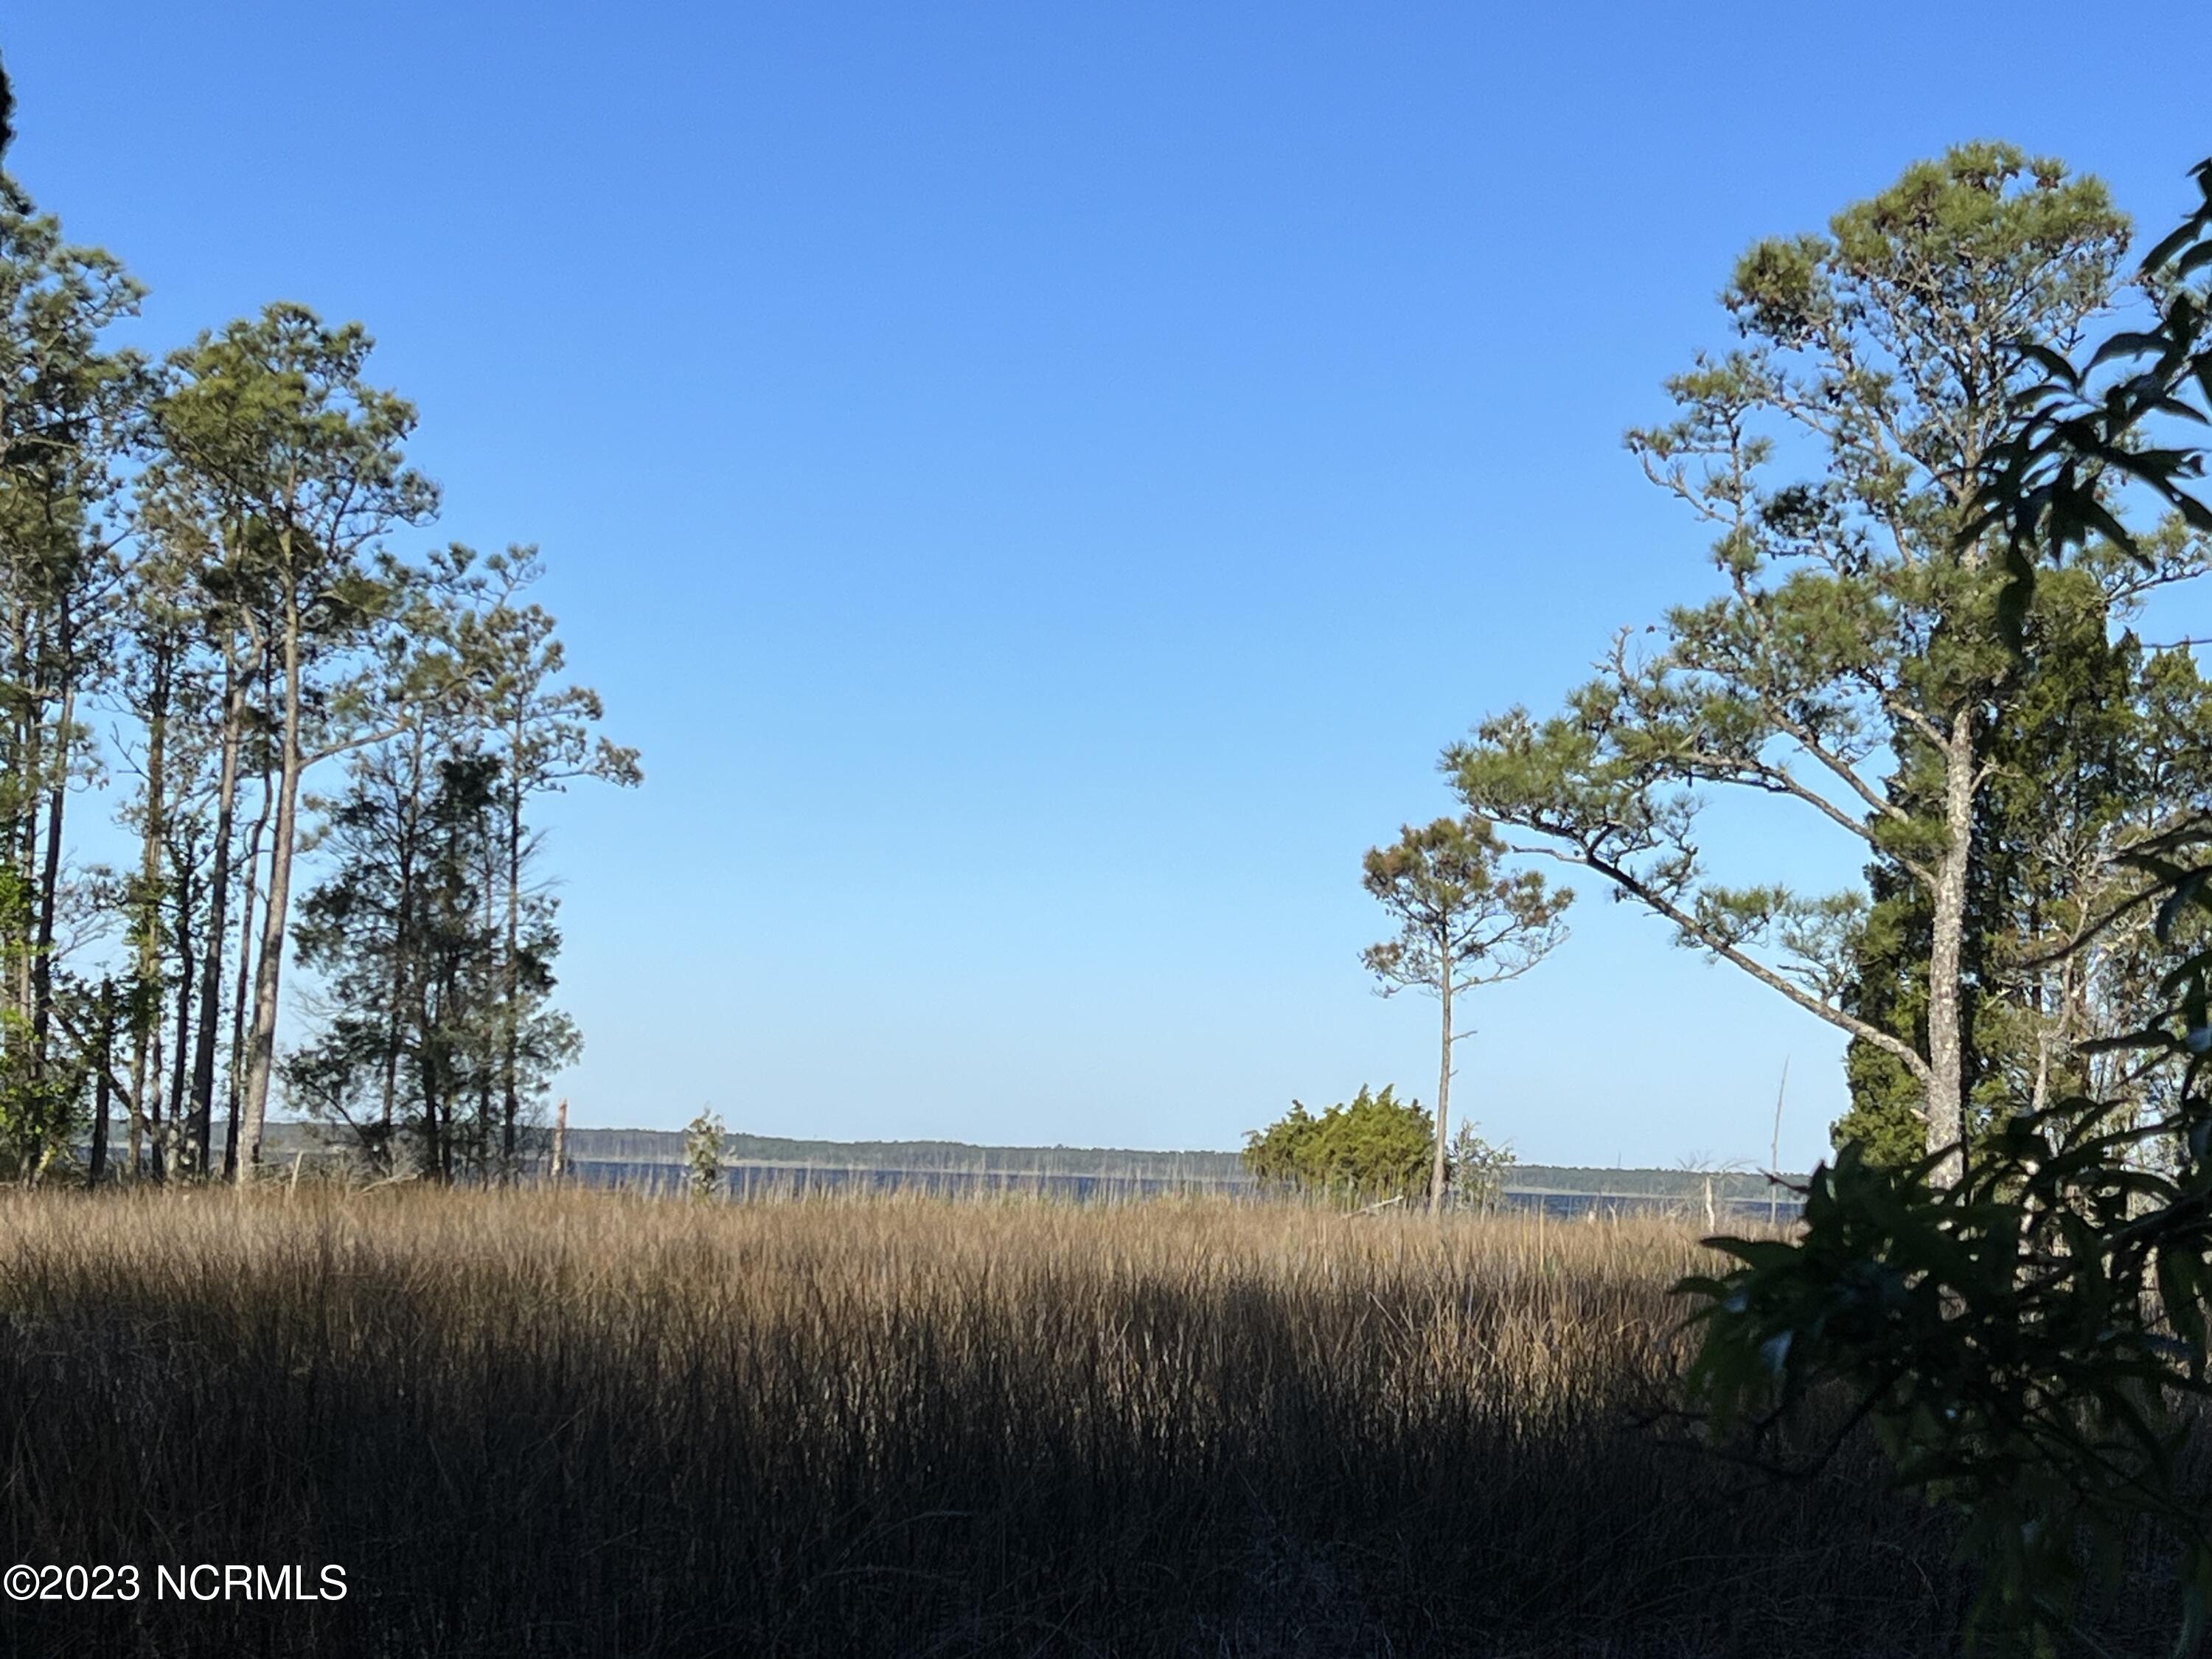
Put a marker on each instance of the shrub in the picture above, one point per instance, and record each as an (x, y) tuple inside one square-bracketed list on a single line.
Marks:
[(1374, 1148), (704, 1138)]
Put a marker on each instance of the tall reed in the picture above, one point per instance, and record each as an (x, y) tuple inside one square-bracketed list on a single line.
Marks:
[(579, 1423)]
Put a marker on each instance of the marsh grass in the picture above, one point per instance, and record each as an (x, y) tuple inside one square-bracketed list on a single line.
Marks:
[(579, 1423)]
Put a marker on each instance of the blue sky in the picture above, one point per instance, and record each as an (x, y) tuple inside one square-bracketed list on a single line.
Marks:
[(1041, 483)]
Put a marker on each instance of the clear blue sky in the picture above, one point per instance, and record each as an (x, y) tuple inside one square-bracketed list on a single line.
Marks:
[(1041, 483)]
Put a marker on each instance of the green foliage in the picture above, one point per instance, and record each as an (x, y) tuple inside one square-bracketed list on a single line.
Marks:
[(1883, 1121), (1462, 922), (1460, 917), (68, 408), (1478, 1169), (1856, 651), (2088, 754), (2016, 1342), (2078, 431), (1374, 1148), (2030, 1344), (427, 1009), (41, 1108), (704, 1138), (201, 548), (435, 934)]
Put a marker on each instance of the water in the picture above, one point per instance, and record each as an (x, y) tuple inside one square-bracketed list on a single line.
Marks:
[(743, 1181), (748, 1181)]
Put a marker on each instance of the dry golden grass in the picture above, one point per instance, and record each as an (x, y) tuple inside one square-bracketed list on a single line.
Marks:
[(577, 1423)]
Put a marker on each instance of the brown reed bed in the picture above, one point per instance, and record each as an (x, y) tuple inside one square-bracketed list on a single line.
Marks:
[(529, 1424)]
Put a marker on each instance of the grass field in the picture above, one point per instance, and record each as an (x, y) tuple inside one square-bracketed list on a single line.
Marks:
[(576, 1423)]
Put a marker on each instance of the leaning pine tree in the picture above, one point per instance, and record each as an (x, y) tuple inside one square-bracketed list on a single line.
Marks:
[(1858, 663), (2032, 1344)]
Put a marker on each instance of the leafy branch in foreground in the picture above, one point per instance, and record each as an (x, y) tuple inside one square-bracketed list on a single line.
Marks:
[(2049, 486)]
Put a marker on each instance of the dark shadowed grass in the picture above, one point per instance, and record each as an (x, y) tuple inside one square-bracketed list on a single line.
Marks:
[(579, 1423)]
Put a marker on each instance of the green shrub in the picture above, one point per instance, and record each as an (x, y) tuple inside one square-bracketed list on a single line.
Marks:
[(1374, 1148)]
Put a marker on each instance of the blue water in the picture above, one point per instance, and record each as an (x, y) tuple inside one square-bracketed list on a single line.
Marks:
[(742, 1182), (745, 1180)]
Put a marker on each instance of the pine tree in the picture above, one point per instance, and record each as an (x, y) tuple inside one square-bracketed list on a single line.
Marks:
[(1462, 922), (1859, 663)]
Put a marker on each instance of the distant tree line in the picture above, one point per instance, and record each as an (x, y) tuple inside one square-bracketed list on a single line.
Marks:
[(314, 746)]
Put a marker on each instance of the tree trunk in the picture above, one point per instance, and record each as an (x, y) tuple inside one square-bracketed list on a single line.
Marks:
[(180, 1124), (30, 749), (1946, 1097), (103, 1089), (159, 1132), (261, 1059), (488, 1144), (145, 1002), (511, 1012), (237, 1084), (1443, 1087), (409, 809), (42, 962), (226, 802), (440, 1107)]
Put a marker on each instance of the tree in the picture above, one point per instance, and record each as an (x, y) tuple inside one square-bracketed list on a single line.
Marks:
[(1480, 1170), (160, 680), (199, 553), (398, 936), (208, 522), (2093, 752), (539, 727), (1861, 649), (304, 454), (2031, 1343), (1376, 1149), (67, 428), (1462, 923), (434, 933)]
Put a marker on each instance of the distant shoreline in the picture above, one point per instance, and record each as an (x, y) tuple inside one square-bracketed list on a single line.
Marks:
[(918, 1161)]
